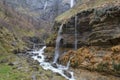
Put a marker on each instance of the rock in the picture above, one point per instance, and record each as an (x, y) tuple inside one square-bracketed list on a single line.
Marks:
[(4, 61), (67, 74), (35, 54), (55, 65), (48, 58), (11, 64), (34, 77), (38, 56), (36, 62), (15, 51), (37, 7), (94, 27), (36, 68)]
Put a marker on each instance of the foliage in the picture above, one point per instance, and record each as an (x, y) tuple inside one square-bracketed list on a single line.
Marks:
[(116, 66), (102, 67)]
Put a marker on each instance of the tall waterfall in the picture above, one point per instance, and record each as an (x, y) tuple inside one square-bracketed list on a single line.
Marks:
[(71, 3), (76, 40), (53, 66), (45, 6), (57, 52)]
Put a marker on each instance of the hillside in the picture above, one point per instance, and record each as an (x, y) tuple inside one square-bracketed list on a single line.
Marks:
[(82, 43), (18, 33)]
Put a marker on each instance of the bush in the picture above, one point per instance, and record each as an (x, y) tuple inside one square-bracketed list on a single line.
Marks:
[(102, 67), (116, 67)]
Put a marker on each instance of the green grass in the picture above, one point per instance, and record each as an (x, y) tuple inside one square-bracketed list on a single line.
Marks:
[(4, 69), (7, 73)]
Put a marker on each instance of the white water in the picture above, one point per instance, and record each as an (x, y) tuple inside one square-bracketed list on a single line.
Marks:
[(57, 53), (71, 3), (76, 33), (48, 66), (45, 6)]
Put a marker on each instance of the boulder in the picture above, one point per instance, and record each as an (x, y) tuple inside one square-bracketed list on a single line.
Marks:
[(67, 74), (54, 65)]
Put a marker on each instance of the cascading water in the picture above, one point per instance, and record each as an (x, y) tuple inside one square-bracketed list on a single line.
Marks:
[(71, 3), (62, 70), (76, 33), (57, 52), (68, 64), (55, 67), (45, 6)]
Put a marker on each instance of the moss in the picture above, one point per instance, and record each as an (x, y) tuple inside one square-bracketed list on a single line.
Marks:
[(51, 39), (7, 73), (84, 7)]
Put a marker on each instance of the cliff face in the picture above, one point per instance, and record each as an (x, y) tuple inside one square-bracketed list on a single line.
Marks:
[(45, 10), (98, 34), (96, 25)]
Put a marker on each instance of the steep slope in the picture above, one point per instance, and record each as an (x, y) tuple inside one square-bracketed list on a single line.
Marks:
[(14, 27), (17, 33), (43, 11)]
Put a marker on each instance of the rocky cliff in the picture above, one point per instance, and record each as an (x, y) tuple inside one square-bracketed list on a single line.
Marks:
[(98, 34), (95, 25), (43, 11)]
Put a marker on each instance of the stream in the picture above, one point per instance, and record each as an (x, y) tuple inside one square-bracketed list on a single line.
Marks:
[(54, 67)]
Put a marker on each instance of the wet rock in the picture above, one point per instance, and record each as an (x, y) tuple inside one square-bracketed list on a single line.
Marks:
[(31, 54), (54, 65), (94, 27), (38, 56), (48, 58), (15, 51), (67, 74)]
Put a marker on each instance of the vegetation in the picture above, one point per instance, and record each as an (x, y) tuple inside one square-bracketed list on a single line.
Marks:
[(13, 28), (86, 5), (88, 57)]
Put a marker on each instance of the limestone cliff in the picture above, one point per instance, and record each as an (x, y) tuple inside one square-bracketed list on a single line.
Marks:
[(98, 34), (96, 24), (43, 11)]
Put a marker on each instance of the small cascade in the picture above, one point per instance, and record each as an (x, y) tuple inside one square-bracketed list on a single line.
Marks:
[(71, 3), (53, 66), (68, 64), (59, 37), (45, 6), (76, 40), (56, 68)]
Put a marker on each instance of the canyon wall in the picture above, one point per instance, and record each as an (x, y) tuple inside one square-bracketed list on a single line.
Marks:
[(98, 34)]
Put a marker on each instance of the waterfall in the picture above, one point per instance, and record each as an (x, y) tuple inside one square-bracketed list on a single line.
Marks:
[(45, 6), (76, 33), (59, 37), (56, 68), (71, 3)]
